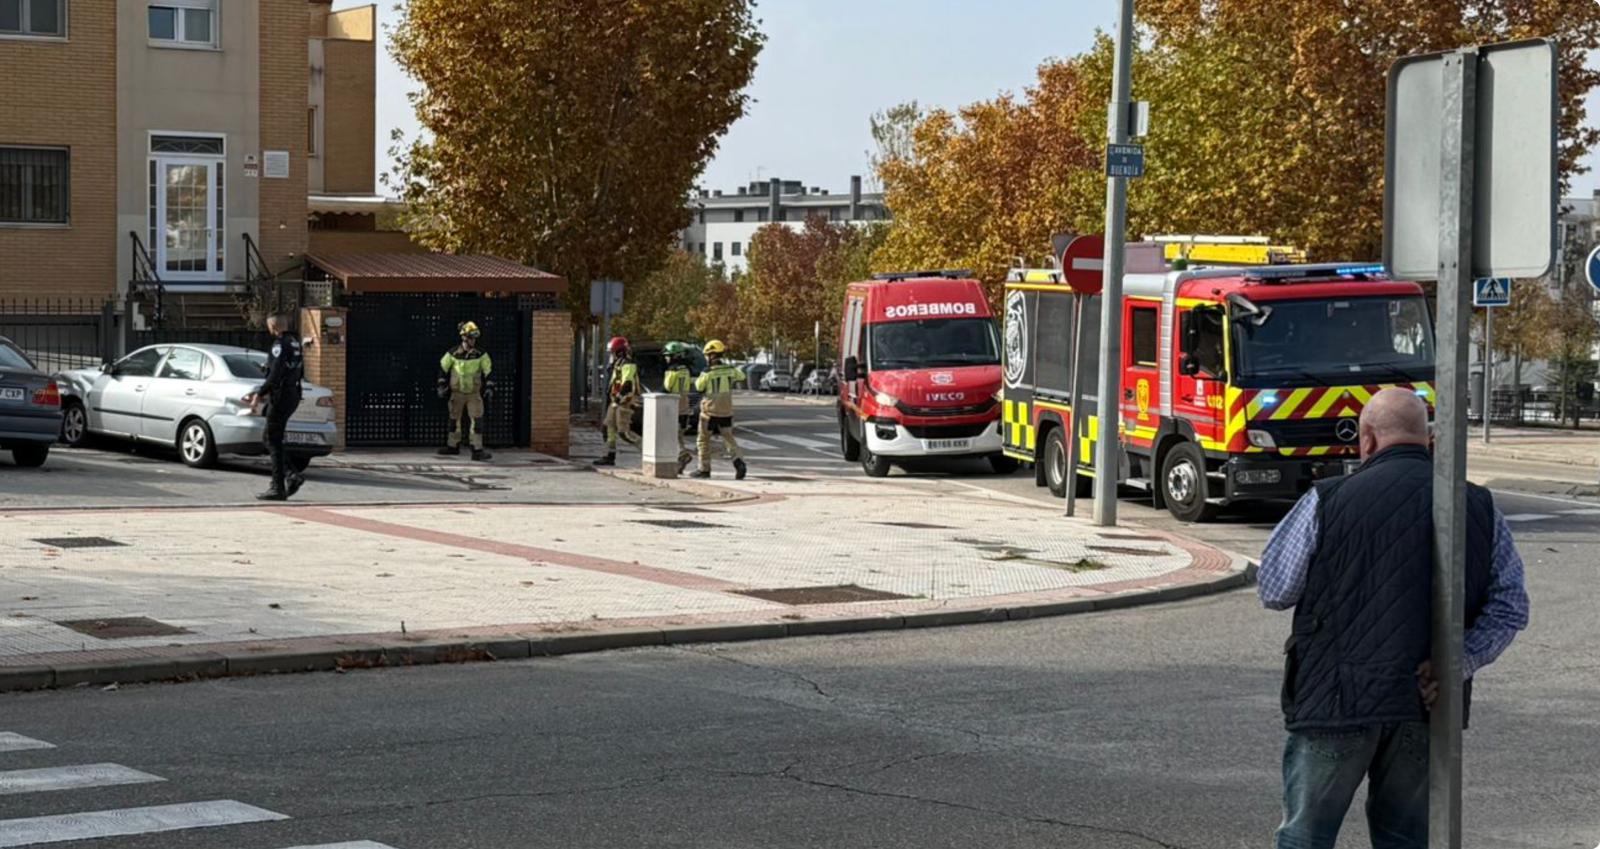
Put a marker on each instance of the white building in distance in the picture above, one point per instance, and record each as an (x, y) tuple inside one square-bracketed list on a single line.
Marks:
[(723, 224)]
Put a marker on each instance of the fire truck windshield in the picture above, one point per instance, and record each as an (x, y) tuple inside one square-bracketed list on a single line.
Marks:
[(1334, 342), (934, 343)]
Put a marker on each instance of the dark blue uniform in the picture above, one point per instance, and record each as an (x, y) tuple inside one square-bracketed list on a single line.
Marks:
[(281, 393)]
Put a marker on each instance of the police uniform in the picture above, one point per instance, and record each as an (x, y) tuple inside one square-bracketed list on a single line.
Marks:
[(467, 369), (281, 394), (716, 414)]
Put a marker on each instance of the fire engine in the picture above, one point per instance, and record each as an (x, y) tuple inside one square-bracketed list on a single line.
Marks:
[(1238, 382)]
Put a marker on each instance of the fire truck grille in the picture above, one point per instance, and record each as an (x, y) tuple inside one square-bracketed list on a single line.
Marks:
[(929, 412), (1300, 433), (962, 431)]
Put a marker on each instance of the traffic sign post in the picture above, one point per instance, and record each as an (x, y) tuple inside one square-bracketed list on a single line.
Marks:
[(1107, 448), (1489, 293), (1470, 192), (1083, 270), (1591, 269)]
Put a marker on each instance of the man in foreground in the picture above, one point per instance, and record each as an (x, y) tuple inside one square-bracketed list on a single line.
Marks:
[(1354, 559)]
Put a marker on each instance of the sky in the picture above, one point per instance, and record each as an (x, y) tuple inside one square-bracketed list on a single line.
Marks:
[(829, 64)]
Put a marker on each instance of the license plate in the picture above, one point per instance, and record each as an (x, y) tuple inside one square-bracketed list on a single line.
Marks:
[(302, 439), (947, 444), (9, 394)]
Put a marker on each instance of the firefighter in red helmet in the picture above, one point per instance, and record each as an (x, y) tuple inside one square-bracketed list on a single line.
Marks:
[(622, 398)]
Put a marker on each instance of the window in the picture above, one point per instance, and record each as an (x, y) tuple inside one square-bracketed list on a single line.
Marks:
[(1144, 336), (185, 22), (11, 357), (761, 214), (738, 216), (140, 363), (702, 215), (248, 366), (1207, 350), (184, 364), (700, 249), (34, 185), (934, 343), (736, 247), (716, 251), (194, 145), (1053, 342), (34, 18), (311, 131)]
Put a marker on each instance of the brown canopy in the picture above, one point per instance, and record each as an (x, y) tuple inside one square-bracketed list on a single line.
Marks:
[(435, 273)]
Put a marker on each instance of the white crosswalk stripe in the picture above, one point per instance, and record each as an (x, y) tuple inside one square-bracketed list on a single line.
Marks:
[(801, 441), (1586, 511), (124, 822), (1529, 517), (359, 844), (71, 778), (12, 742)]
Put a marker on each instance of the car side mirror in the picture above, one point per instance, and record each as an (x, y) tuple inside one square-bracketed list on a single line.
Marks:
[(1189, 365), (852, 368)]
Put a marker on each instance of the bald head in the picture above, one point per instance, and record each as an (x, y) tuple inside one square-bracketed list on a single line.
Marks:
[(1393, 417)]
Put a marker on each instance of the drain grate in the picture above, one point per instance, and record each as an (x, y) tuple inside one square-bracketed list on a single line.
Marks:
[(123, 627), (78, 542), (1123, 549), (921, 526), (841, 594), (678, 524)]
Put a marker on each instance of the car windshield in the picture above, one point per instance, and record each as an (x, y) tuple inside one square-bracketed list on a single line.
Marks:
[(934, 343), (251, 365), (1363, 340), (10, 357)]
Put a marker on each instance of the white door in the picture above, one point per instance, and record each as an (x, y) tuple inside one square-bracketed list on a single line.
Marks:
[(186, 218)]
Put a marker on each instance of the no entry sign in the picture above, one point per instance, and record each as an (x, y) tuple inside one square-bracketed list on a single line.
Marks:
[(1083, 264)]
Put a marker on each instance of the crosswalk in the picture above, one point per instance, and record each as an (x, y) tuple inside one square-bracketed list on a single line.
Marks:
[(95, 822)]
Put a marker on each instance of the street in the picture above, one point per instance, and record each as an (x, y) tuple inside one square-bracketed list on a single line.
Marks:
[(1155, 726)]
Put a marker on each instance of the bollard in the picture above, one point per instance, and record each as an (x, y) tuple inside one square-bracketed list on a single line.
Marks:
[(660, 438)]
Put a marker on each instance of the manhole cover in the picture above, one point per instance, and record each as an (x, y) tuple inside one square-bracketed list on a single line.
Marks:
[(678, 524), (78, 542), (123, 627), (1123, 549), (842, 594), (921, 526)]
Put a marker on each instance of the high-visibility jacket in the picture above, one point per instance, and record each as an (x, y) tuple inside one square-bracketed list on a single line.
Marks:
[(624, 381), (677, 383), (467, 369), (716, 387)]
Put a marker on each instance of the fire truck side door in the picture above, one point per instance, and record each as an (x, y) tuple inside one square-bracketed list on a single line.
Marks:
[(1200, 388), (1141, 324)]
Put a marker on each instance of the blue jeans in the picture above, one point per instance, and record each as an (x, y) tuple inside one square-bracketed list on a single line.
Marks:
[(1322, 769)]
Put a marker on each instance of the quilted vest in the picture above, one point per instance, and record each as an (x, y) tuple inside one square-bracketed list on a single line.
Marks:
[(1364, 622)]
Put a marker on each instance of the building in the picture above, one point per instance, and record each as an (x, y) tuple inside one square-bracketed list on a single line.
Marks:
[(723, 224), (179, 140)]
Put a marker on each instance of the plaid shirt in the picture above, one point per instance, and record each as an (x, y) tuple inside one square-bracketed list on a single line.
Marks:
[(1284, 564)]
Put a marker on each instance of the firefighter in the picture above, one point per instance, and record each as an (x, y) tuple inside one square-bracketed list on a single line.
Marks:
[(715, 385), (465, 381), (280, 393), (677, 382), (622, 396)]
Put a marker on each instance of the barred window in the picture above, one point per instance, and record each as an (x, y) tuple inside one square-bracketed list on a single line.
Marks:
[(196, 145), (34, 185)]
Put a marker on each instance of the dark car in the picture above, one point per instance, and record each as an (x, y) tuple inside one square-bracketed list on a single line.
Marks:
[(652, 374), (30, 407)]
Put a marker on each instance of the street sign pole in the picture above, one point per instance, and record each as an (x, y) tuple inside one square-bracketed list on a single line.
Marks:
[(1075, 404), (1488, 370), (1109, 405), (1457, 180)]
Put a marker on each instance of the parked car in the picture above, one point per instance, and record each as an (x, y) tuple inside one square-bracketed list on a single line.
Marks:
[(190, 397), (777, 380), (30, 407), (821, 381), (753, 373), (652, 374)]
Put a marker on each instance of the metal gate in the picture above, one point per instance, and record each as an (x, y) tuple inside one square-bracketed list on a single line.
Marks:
[(393, 346), (61, 334)]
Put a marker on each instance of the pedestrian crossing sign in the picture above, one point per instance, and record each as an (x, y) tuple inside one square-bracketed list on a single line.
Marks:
[(1491, 292)]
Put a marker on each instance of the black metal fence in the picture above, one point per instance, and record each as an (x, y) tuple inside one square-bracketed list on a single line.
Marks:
[(63, 333)]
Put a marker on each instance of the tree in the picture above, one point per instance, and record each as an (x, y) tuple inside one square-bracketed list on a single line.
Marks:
[(783, 294), (892, 131), (718, 315), (660, 307), (566, 134)]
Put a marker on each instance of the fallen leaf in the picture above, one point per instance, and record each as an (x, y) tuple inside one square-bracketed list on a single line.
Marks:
[(30, 598), (385, 575), (275, 606)]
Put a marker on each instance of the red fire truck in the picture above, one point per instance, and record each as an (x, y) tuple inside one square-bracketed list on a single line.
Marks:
[(1238, 383)]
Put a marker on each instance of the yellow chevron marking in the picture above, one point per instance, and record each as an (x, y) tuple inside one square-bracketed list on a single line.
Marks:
[(1295, 399), (1328, 399)]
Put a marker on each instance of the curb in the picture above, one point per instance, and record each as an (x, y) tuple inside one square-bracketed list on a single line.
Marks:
[(1497, 453), (345, 653)]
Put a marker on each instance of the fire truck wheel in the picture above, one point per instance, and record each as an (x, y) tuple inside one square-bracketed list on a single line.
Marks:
[(1184, 485), (848, 446), (872, 464), (1055, 462)]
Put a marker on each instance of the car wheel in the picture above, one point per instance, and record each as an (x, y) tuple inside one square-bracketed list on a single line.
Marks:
[(74, 425), (872, 464), (1002, 464), (1184, 485), (196, 446), (848, 445), (298, 463), (30, 456)]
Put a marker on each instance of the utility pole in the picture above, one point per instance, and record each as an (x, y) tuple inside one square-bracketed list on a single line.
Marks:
[(1109, 403), (1488, 370)]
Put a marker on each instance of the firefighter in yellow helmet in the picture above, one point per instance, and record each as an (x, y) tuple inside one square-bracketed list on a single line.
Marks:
[(622, 398), (715, 385), (465, 380)]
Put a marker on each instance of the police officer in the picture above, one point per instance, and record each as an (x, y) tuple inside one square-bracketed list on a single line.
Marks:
[(716, 409), (622, 397), (466, 381), (280, 392), (677, 382)]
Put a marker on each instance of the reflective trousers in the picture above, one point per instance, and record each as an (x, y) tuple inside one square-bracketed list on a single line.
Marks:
[(472, 405)]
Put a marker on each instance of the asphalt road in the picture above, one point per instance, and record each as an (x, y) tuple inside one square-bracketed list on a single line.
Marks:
[(1152, 727)]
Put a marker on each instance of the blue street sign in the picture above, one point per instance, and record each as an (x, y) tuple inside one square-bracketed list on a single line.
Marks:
[(1591, 269), (1124, 160), (1491, 292)]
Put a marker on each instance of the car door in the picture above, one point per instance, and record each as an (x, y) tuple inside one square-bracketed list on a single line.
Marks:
[(173, 393), (117, 398), (1141, 371)]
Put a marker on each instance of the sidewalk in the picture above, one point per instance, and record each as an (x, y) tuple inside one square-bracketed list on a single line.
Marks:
[(238, 591), (1540, 445)]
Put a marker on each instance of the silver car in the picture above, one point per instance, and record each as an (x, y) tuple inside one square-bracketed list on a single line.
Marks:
[(190, 397), (30, 407)]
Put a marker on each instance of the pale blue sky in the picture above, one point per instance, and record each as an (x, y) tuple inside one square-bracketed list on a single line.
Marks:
[(829, 64)]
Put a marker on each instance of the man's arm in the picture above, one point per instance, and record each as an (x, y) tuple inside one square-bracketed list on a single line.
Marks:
[(1506, 611), (704, 380), (1282, 577)]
